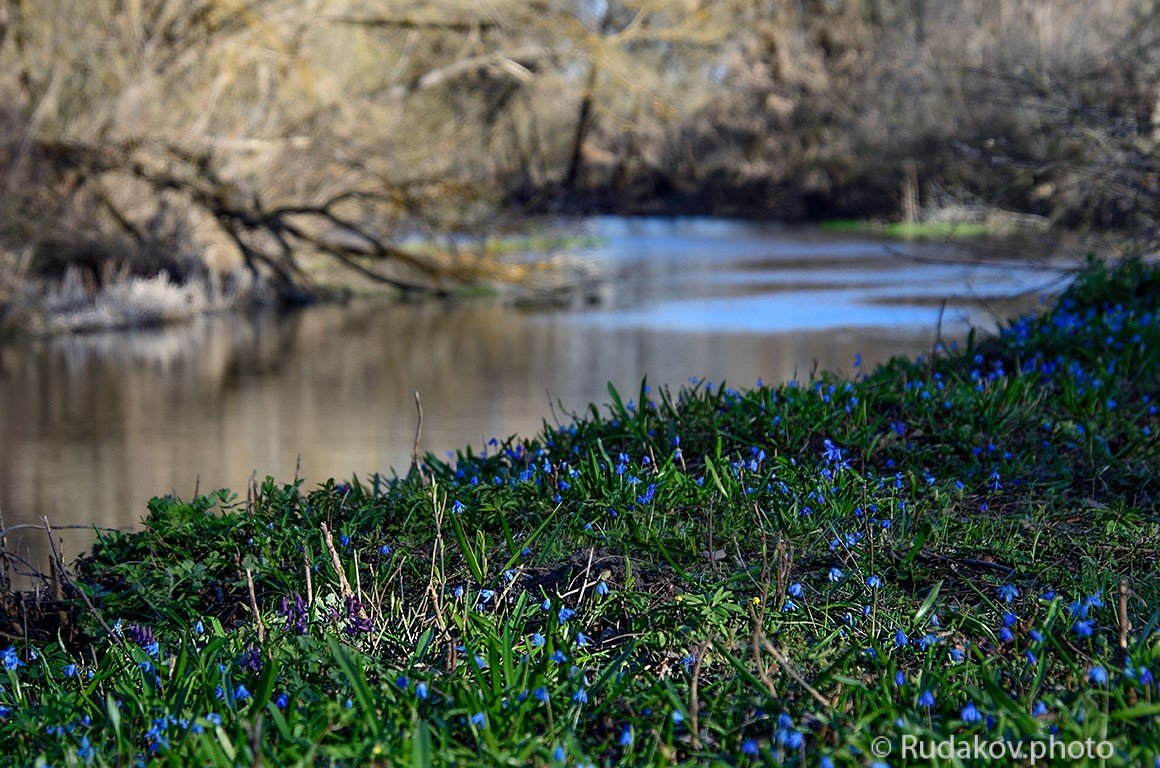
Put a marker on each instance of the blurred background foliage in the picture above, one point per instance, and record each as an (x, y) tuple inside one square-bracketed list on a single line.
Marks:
[(256, 139)]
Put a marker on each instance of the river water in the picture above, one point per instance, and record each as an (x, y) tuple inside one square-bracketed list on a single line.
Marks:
[(94, 425)]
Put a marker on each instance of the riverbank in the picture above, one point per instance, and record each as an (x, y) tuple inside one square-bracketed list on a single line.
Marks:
[(959, 545), (524, 270)]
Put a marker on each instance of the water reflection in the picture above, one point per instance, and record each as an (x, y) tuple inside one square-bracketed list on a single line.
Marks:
[(95, 425)]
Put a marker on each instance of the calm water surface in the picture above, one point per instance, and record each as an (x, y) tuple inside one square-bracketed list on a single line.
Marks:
[(94, 425)]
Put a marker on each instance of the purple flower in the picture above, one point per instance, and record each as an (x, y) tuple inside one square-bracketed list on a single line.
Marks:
[(357, 623), (295, 611), (251, 659), (142, 636)]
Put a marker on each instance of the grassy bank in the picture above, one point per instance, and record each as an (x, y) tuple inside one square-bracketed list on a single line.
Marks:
[(962, 545)]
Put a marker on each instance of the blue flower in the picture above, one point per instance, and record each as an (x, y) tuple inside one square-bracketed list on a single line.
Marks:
[(559, 755), (836, 574), (970, 713), (601, 589), (678, 718), (874, 582), (538, 640), (900, 639), (1039, 710), (796, 589), (581, 696), (10, 659), (626, 737), (582, 639), (1083, 628), (926, 700), (899, 678), (564, 614), (1098, 675), (70, 670), (241, 694), (421, 690), (541, 695), (282, 701), (559, 657), (749, 747), (789, 605), (86, 751), (479, 720), (1008, 592)]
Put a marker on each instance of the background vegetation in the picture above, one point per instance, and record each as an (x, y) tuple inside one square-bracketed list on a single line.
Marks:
[(190, 136)]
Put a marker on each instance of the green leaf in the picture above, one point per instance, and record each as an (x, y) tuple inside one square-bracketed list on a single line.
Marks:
[(362, 693), (927, 604), (421, 745)]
